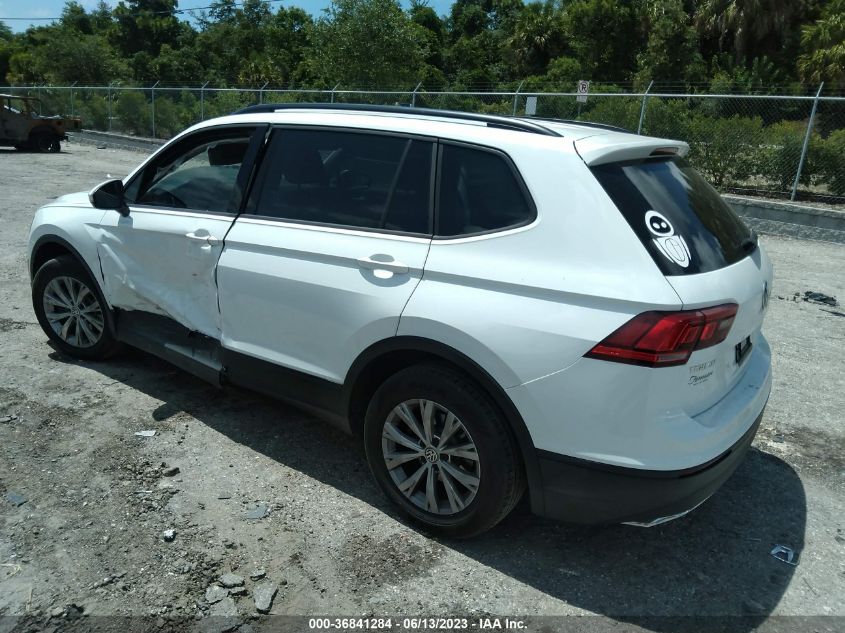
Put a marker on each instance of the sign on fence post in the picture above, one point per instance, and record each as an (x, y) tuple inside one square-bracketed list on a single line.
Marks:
[(531, 105), (583, 91)]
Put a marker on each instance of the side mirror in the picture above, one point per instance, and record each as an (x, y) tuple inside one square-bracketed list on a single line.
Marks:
[(109, 195)]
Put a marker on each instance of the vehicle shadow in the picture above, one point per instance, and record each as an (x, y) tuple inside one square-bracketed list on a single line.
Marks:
[(714, 562)]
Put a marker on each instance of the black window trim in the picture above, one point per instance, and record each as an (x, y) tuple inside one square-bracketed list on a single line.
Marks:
[(352, 130), (210, 131), (514, 170)]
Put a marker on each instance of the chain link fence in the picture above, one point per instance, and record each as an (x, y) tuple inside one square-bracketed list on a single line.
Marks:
[(776, 146)]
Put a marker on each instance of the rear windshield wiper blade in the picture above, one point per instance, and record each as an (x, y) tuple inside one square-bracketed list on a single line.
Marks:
[(749, 244)]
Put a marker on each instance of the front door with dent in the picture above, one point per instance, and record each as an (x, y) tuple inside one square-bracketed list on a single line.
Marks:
[(161, 258)]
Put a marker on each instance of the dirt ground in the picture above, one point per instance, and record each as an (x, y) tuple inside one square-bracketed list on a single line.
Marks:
[(85, 504)]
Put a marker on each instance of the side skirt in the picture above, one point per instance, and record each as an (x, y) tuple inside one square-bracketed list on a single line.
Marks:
[(206, 359)]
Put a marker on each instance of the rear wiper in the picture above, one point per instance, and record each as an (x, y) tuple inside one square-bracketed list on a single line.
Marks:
[(749, 244)]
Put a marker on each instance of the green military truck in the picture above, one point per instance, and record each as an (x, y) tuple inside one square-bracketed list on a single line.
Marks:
[(22, 127)]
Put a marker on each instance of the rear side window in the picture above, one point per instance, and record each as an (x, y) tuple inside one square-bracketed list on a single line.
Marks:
[(680, 219), (479, 191), (349, 179)]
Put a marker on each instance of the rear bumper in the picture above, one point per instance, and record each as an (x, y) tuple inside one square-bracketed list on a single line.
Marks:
[(580, 491)]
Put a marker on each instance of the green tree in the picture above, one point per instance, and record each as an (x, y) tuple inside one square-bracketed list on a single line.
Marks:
[(250, 45), (75, 17), (605, 37), (366, 43), (671, 53), (145, 26), (538, 36), (62, 55), (823, 46), (432, 30), (6, 49)]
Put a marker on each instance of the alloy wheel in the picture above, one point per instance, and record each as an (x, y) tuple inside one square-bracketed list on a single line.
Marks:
[(431, 457), (73, 312)]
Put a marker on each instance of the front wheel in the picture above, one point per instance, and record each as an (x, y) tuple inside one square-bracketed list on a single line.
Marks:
[(71, 310), (441, 450)]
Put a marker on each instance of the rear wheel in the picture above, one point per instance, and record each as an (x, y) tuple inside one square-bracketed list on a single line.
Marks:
[(46, 142), (71, 310), (441, 450)]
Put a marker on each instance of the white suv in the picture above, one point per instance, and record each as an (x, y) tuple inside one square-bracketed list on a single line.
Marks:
[(486, 303)]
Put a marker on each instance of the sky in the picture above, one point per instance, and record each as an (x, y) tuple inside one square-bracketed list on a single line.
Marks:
[(53, 8)]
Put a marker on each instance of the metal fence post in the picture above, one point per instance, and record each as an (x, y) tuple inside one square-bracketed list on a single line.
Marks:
[(153, 106), (71, 99), (806, 142), (414, 95), (642, 110), (261, 92), (516, 96), (38, 92), (108, 101), (333, 89), (202, 101)]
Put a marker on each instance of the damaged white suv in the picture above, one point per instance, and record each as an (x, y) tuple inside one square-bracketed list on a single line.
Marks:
[(488, 304)]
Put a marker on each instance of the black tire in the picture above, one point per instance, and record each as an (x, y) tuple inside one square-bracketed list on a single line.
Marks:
[(501, 475), (45, 142), (66, 266)]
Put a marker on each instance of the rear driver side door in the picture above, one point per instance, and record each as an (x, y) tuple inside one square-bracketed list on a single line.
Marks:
[(330, 248)]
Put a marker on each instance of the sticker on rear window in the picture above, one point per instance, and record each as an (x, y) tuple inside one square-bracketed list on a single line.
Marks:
[(673, 247)]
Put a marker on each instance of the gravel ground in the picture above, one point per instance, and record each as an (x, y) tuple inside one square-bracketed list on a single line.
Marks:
[(97, 521)]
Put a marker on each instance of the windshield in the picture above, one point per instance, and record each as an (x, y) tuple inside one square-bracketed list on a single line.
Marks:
[(681, 220)]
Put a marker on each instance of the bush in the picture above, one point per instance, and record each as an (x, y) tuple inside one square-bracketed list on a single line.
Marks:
[(188, 109), (223, 103), (725, 150), (621, 111), (831, 162), (93, 109), (133, 111), (781, 153), (667, 118), (167, 122)]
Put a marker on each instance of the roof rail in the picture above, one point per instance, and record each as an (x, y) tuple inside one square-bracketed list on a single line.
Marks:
[(601, 126), (504, 122)]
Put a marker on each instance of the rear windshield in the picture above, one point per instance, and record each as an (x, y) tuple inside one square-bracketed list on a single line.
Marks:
[(680, 219)]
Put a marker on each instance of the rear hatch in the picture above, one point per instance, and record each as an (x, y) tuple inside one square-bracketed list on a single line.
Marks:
[(708, 255)]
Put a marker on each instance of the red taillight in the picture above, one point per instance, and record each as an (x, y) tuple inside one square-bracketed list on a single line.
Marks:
[(665, 339)]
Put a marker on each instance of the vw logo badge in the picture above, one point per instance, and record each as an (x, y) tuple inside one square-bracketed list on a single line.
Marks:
[(431, 455)]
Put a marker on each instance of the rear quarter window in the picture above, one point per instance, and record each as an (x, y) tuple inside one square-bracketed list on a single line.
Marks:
[(681, 220), (479, 191)]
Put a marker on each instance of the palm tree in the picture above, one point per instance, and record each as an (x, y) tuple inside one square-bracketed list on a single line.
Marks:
[(537, 37), (823, 46), (748, 26)]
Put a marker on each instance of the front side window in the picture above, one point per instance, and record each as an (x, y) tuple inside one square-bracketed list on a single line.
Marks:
[(479, 192), (199, 173), (348, 179)]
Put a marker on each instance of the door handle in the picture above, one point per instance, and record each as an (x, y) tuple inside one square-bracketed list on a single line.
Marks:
[(376, 264), (208, 239)]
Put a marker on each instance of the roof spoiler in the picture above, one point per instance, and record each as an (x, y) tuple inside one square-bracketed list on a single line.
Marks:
[(602, 149)]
